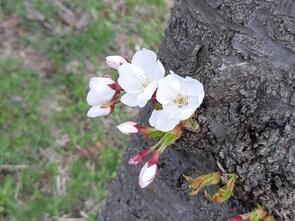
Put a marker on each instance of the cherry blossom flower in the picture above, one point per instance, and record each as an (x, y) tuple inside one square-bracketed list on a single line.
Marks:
[(180, 97), (100, 96), (149, 171), (139, 79), (115, 61)]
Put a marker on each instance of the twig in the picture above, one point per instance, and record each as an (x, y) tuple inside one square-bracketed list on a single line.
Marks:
[(84, 215), (13, 167), (220, 167), (64, 8)]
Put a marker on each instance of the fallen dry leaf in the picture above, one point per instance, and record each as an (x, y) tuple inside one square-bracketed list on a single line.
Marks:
[(32, 13), (91, 151)]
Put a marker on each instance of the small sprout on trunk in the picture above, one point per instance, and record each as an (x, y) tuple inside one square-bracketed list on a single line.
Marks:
[(225, 192), (269, 218), (202, 181), (258, 214)]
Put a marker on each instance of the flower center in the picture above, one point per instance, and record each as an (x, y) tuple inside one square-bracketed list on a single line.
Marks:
[(143, 82), (181, 100)]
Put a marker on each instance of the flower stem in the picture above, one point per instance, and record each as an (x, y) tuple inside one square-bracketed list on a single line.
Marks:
[(162, 148), (164, 142), (155, 147)]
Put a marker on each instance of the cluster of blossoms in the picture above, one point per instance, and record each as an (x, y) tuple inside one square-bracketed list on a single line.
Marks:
[(143, 79)]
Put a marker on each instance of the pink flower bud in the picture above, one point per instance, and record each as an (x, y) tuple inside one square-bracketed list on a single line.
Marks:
[(138, 157), (115, 61), (236, 218), (147, 174), (155, 158), (97, 111), (149, 171), (128, 128)]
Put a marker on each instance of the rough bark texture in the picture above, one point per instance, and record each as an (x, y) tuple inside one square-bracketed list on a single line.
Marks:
[(243, 53)]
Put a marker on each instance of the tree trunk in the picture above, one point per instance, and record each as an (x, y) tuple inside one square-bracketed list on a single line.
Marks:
[(243, 53)]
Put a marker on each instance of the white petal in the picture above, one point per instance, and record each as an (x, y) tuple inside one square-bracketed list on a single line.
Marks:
[(144, 58), (100, 84), (161, 70), (130, 77), (150, 89), (177, 76), (147, 93), (168, 89), (141, 100), (129, 100), (115, 61), (147, 174), (195, 101), (156, 71), (154, 118), (193, 87), (98, 98), (183, 113), (97, 111), (162, 120), (186, 112), (128, 127), (147, 61), (165, 126)]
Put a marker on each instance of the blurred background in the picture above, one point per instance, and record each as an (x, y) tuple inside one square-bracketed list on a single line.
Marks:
[(55, 163)]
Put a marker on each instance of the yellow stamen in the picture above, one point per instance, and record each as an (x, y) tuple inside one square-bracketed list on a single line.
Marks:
[(181, 100)]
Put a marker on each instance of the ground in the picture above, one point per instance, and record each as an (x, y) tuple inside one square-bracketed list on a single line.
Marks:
[(56, 163)]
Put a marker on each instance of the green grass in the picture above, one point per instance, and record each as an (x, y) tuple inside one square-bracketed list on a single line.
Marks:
[(26, 133), (22, 129), (73, 45), (100, 33), (43, 120)]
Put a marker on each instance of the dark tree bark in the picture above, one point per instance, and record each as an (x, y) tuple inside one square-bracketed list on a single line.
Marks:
[(243, 53)]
